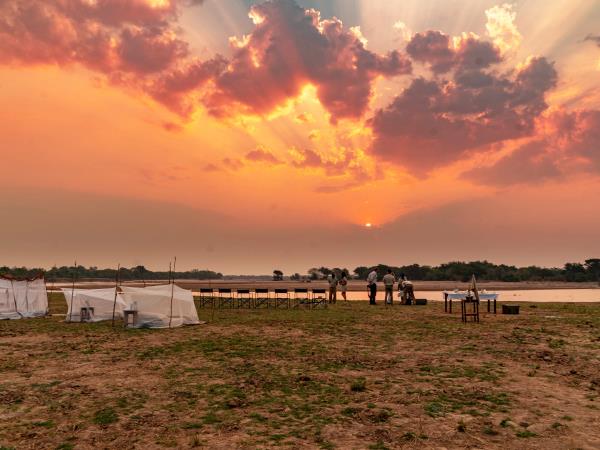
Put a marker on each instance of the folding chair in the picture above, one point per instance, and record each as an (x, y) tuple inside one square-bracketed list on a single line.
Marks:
[(282, 298), (318, 298), (301, 298), (261, 298), (244, 299), (226, 299), (207, 297)]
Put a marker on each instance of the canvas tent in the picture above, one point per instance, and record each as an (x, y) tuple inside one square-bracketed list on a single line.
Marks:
[(21, 298), (155, 308), (98, 301)]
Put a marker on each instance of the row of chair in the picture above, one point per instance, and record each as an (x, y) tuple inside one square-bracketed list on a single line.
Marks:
[(262, 298)]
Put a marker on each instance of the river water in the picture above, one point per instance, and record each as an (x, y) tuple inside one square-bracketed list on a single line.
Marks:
[(533, 295)]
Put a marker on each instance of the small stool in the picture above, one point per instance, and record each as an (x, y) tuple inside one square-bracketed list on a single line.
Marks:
[(469, 300), (86, 313), (129, 317)]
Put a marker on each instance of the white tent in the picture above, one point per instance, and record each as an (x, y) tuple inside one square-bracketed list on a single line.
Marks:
[(23, 298), (161, 306), (101, 300)]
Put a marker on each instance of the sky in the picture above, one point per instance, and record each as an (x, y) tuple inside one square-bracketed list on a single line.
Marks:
[(245, 136)]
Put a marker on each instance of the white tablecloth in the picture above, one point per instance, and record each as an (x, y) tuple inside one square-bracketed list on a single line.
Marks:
[(461, 295)]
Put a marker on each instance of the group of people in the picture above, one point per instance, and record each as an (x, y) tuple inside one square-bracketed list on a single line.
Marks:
[(334, 282), (405, 287)]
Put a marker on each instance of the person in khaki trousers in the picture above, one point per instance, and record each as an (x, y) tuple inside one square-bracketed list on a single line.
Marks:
[(388, 281)]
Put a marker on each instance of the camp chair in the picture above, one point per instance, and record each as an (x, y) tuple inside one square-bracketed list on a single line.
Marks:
[(244, 300), (281, 299), (301, 298), (318, 298), (207, 297), (226, 299), (261, 298)]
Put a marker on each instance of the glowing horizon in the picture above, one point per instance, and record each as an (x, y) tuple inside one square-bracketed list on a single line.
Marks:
[(296, 133)]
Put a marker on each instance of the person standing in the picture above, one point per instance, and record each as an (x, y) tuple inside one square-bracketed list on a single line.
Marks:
[(388, 281), (344, 284), (372, 286), (332, 280)]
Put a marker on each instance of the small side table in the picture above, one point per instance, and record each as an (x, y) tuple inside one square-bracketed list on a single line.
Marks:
[(86, 313), (130, 317)]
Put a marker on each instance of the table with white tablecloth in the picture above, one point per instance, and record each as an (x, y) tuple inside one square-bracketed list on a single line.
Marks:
[(461, 295)]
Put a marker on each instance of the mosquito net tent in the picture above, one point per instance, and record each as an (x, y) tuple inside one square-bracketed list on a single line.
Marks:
[(20, 298), (161, 306), (97, 302)]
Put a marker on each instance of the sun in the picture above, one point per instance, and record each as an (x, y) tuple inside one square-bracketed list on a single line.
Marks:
[(368, 224)]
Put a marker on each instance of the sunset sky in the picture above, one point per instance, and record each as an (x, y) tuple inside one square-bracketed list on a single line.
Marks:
[(244, 136)]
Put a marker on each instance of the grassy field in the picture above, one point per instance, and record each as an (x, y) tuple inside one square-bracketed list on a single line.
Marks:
[(352, 376)]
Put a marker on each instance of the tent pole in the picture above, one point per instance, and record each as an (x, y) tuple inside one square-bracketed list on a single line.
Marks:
[(172, 291), (73, 291), (116, 287), (51, 290)]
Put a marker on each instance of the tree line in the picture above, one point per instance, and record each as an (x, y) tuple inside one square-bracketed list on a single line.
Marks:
[(133, 273), (484, 270), (589, 270)]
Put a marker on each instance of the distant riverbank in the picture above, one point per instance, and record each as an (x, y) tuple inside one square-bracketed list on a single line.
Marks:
[(353, 285)]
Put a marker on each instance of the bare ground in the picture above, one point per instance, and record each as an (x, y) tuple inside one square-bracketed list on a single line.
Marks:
[(352, 376)]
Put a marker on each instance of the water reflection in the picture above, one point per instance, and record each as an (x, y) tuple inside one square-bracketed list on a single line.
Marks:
[(534, 295)]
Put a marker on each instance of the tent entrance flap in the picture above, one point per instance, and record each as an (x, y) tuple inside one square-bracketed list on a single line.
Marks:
[(93, 305), (162, 306)]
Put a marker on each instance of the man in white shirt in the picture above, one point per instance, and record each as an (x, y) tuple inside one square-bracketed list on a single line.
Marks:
[(388, 281), (372, 286)]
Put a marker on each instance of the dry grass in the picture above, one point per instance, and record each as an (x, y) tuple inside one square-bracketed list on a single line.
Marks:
[(352, 376)]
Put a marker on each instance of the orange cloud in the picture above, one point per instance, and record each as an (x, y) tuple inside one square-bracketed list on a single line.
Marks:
[(262, 155), (568, 144), (291, 47), (435, 122)]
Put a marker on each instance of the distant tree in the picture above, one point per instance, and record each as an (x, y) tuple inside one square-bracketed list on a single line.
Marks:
[(295, 277), (315, 274), (575, 272), (592, 267), (361, 272), (325, 271), (277, 275)]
